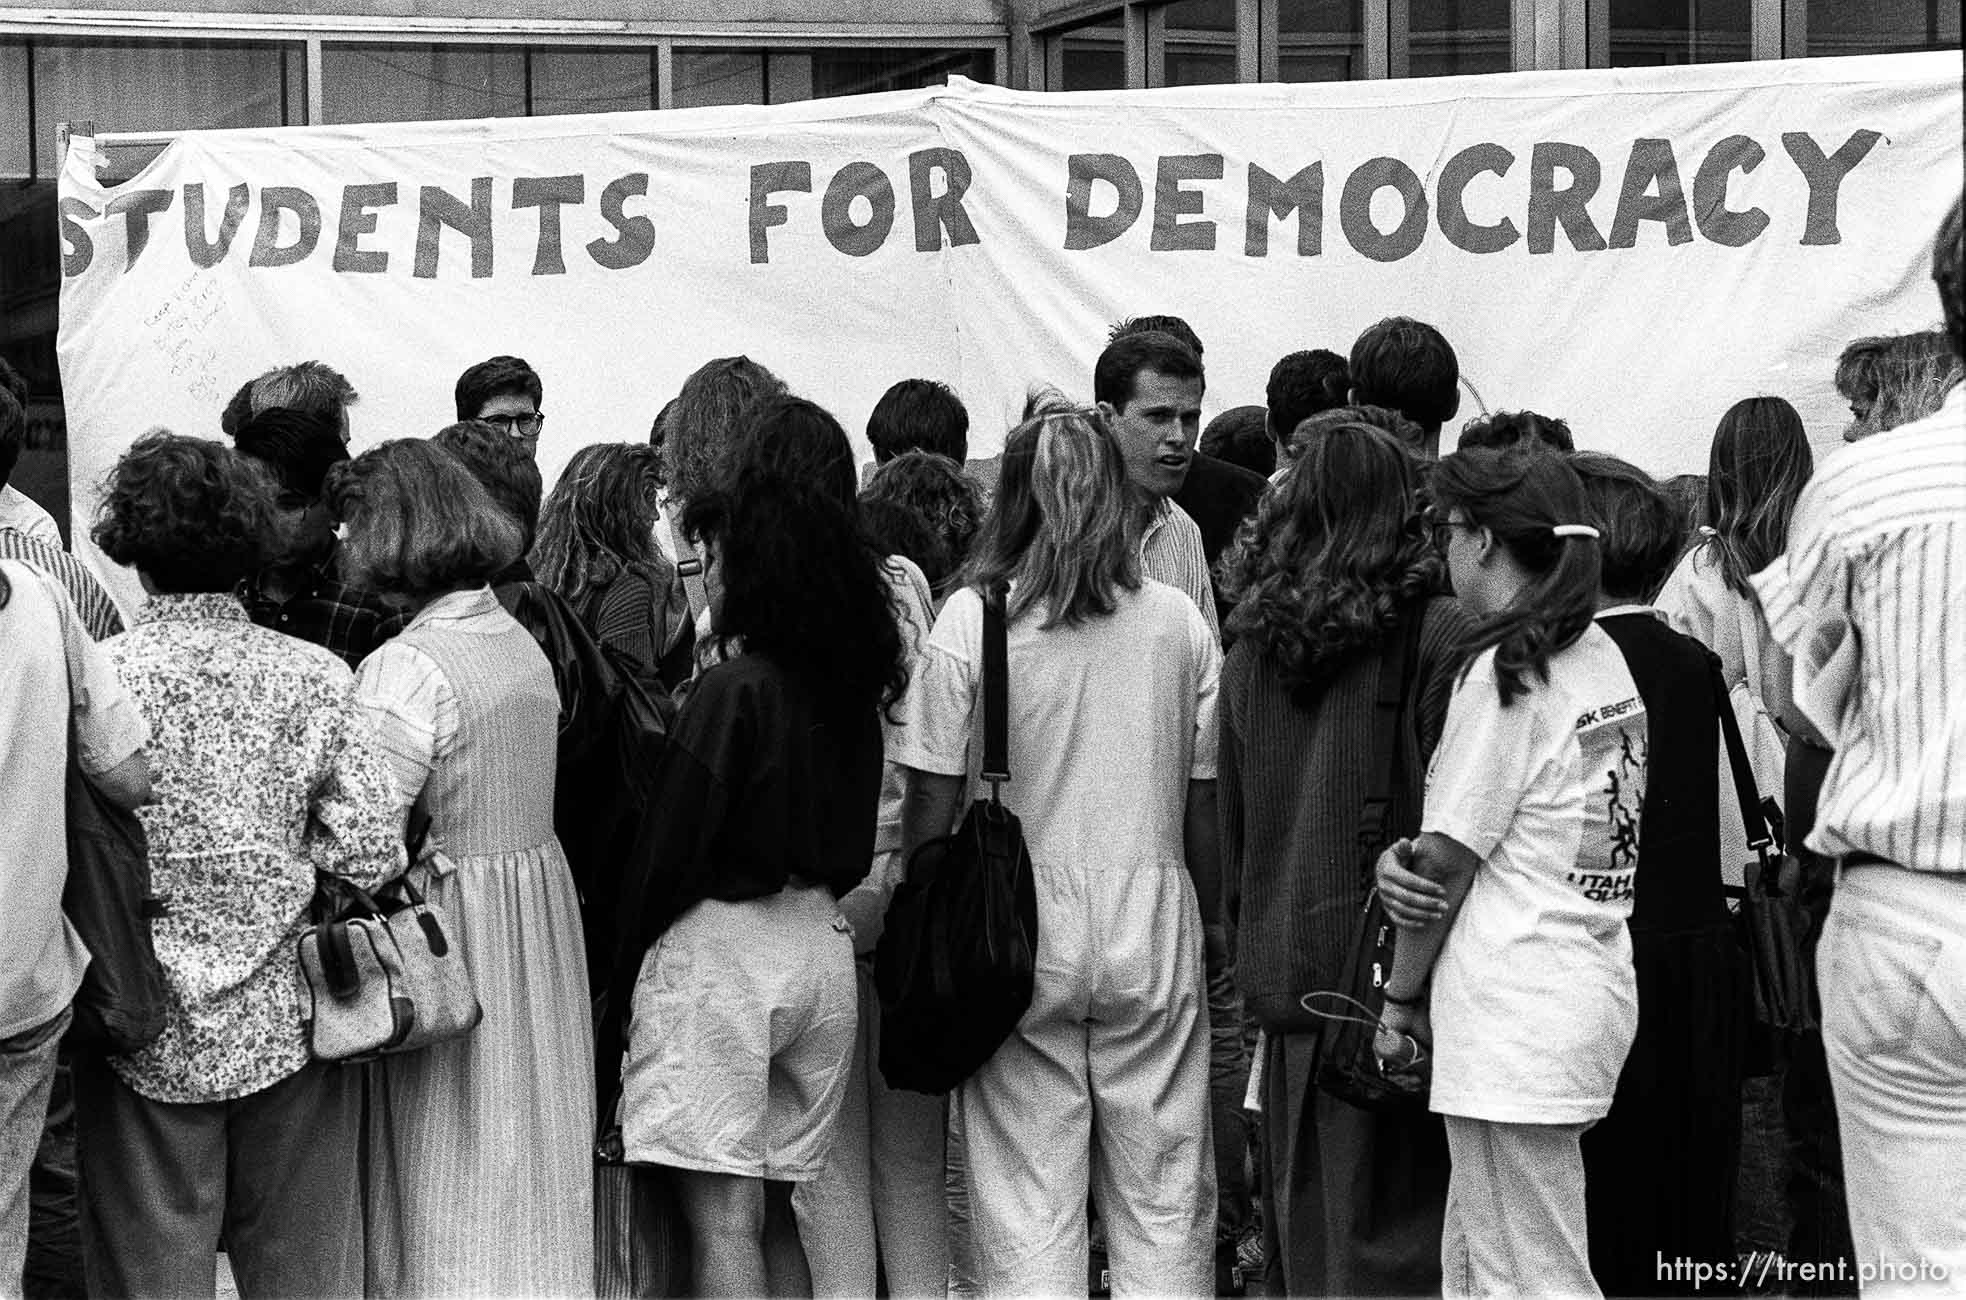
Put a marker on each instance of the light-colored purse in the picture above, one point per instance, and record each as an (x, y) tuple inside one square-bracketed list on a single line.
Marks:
[(381, 975)]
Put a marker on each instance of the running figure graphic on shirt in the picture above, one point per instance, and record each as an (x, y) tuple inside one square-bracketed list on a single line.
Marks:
[(1613, 742)]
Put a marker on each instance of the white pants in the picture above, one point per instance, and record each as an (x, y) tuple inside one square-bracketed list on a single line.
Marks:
[(1892, 966), (1103, 1088), (1515, 1221), (883, 1183)]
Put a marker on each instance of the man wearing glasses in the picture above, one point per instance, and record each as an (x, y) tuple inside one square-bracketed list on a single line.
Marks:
[(505, 392)]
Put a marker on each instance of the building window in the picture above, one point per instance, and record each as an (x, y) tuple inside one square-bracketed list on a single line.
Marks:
[(1454, 37), (1880, 26), (1653, 33), (709, 76), (1320, 40), (605, 79), (1090, 55), (139, 86), (863, 71), (421, 83), (1198, 43)]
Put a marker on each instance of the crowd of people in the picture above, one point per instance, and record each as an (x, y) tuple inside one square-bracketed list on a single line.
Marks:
[(659, 744)]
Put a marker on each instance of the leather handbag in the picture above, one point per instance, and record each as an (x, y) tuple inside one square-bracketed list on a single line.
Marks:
[(956, 964), (1773, 919), (379, 974), (1348, 1065)]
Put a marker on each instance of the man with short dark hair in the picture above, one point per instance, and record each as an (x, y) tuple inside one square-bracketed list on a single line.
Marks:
[(919, 415), (1149, 387), (1301, 385), (298, 589), (1240, 436), (1174, 325), (504, 392), (1409, 366)]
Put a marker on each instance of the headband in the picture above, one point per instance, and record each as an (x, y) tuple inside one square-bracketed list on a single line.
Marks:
[(1575, 530)]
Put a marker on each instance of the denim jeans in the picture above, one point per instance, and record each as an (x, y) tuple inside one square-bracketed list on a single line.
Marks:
[(27, 1072), (1893, 974)]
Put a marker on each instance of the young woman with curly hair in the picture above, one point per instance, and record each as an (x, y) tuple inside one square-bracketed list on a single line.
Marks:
[(762, 817), (1112, 732), (596, 547), (924, 506), (1514, 964), (1331, 569), (266, 774)]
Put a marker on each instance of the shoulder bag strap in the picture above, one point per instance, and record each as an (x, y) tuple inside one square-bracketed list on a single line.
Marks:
[(996, 704), (1396, 662), (1745, 789), (689, 565)]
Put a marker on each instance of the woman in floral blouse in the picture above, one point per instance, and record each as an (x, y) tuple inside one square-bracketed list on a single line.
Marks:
[(265, 773)]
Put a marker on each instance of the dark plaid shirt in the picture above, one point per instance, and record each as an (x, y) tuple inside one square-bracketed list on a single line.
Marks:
[(327, 611)]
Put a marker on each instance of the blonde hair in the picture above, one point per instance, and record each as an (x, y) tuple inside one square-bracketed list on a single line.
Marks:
[(1061, 525)]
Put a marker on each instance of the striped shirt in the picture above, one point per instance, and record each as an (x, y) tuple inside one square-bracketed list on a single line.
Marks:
[(98, 611), (410, 702), (21, 511), (1879, 540), (1171, 551)]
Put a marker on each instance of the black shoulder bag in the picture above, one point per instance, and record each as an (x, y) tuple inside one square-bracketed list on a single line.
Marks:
[(121, 1005), (1348, 1067), (955, 965), (1772, 918)]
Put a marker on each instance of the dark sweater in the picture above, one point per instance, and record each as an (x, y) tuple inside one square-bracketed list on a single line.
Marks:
[(1292, 783), (756, 788), (1218, 496)]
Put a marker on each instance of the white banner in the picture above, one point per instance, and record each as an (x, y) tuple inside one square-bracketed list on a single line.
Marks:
[(1630, 250)]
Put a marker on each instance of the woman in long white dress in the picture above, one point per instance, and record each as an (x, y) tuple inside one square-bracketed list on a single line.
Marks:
[(481, 1178)]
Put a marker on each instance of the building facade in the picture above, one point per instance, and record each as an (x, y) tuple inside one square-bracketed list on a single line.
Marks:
[(151, 66)]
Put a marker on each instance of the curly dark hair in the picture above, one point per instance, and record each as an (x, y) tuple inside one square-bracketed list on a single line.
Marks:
[(1507, 428), (1521, 494), (802, 585), (1325, 566), (189, 514), (934, 490), (706, 414)]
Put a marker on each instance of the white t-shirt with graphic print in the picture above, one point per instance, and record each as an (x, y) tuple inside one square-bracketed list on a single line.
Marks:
[(1534, 1002)]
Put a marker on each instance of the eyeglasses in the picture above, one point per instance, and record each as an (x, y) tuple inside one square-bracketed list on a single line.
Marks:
[(1443, 529), (518, 426)]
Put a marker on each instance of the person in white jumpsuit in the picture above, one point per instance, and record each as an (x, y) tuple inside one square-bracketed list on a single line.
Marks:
[(1103, 1087)]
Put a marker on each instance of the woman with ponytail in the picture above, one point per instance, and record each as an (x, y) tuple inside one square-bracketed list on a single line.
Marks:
[(1514, 966)]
